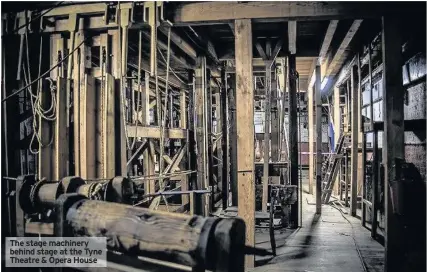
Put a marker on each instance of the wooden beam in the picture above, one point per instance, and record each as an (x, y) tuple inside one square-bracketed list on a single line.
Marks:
[(327, 40), (337, 127), (342, 51), (60, 163), (317, 90), (46, 152), (224, 129), (154, 132), (311, 131), (233, 140), (219, 12), (245, 133), (87, 128), (179, 42), (354, 139), (393, 139), (292, 37), (108, 126), (200, 125), (267, 124), (293, 135)]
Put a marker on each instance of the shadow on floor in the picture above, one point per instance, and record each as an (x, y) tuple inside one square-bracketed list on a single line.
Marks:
[(298, 254)]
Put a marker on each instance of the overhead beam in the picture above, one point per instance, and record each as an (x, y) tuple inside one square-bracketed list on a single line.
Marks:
[(327, 40), (245, 133), (342, 52), (220, 12), (179, 42)]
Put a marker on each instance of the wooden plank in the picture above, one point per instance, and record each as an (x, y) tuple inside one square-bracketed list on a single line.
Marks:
[(245, 133), (327, 40), (274, 121), (154, 132), (218, 12), (292, 37), (225, 136), (233, 139), (200, 125), (209, 136), (108, 128), (46, 151), (267, 123), (60, 162), (393, 138), (342, 51), (318, 141), (179, 42), (87, 128), (337, 128), (311, 142), (354, 140), (293, 135)]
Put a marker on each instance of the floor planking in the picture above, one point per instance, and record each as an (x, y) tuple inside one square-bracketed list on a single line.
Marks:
[(323, 243)]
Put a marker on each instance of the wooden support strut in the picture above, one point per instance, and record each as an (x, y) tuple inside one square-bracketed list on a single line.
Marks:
[(354, 140), (293, 135), (393, 139), (245, 133), (318, 141), (267, 123)]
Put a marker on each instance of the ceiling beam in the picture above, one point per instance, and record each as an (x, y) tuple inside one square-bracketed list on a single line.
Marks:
[(332, 27), (292, 37), (179, 42), (341, 54), (217, 12), (327, 40)]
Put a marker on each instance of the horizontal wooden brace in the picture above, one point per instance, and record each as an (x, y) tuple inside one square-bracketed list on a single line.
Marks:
[(154, 132)]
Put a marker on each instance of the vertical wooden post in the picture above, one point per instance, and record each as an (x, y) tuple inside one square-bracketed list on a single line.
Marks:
[(245, 130), (267, 120), (224, 129), (318, 141), (148, 157), (209, 140), (274, 116), (184, 163), (87, 128), (311, 131), (293, 135), (354, 140), (200, 124), (337, 126), (60, 162), (219, 140), (46, 152), (393, 140), (233, 142)]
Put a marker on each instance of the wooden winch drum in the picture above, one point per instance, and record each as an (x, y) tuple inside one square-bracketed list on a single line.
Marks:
[(193, 241)]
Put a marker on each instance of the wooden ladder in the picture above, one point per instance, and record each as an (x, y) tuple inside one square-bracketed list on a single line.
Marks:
[(332, 170)]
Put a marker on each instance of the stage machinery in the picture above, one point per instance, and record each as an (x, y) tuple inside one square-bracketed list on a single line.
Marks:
[(137, 238)]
